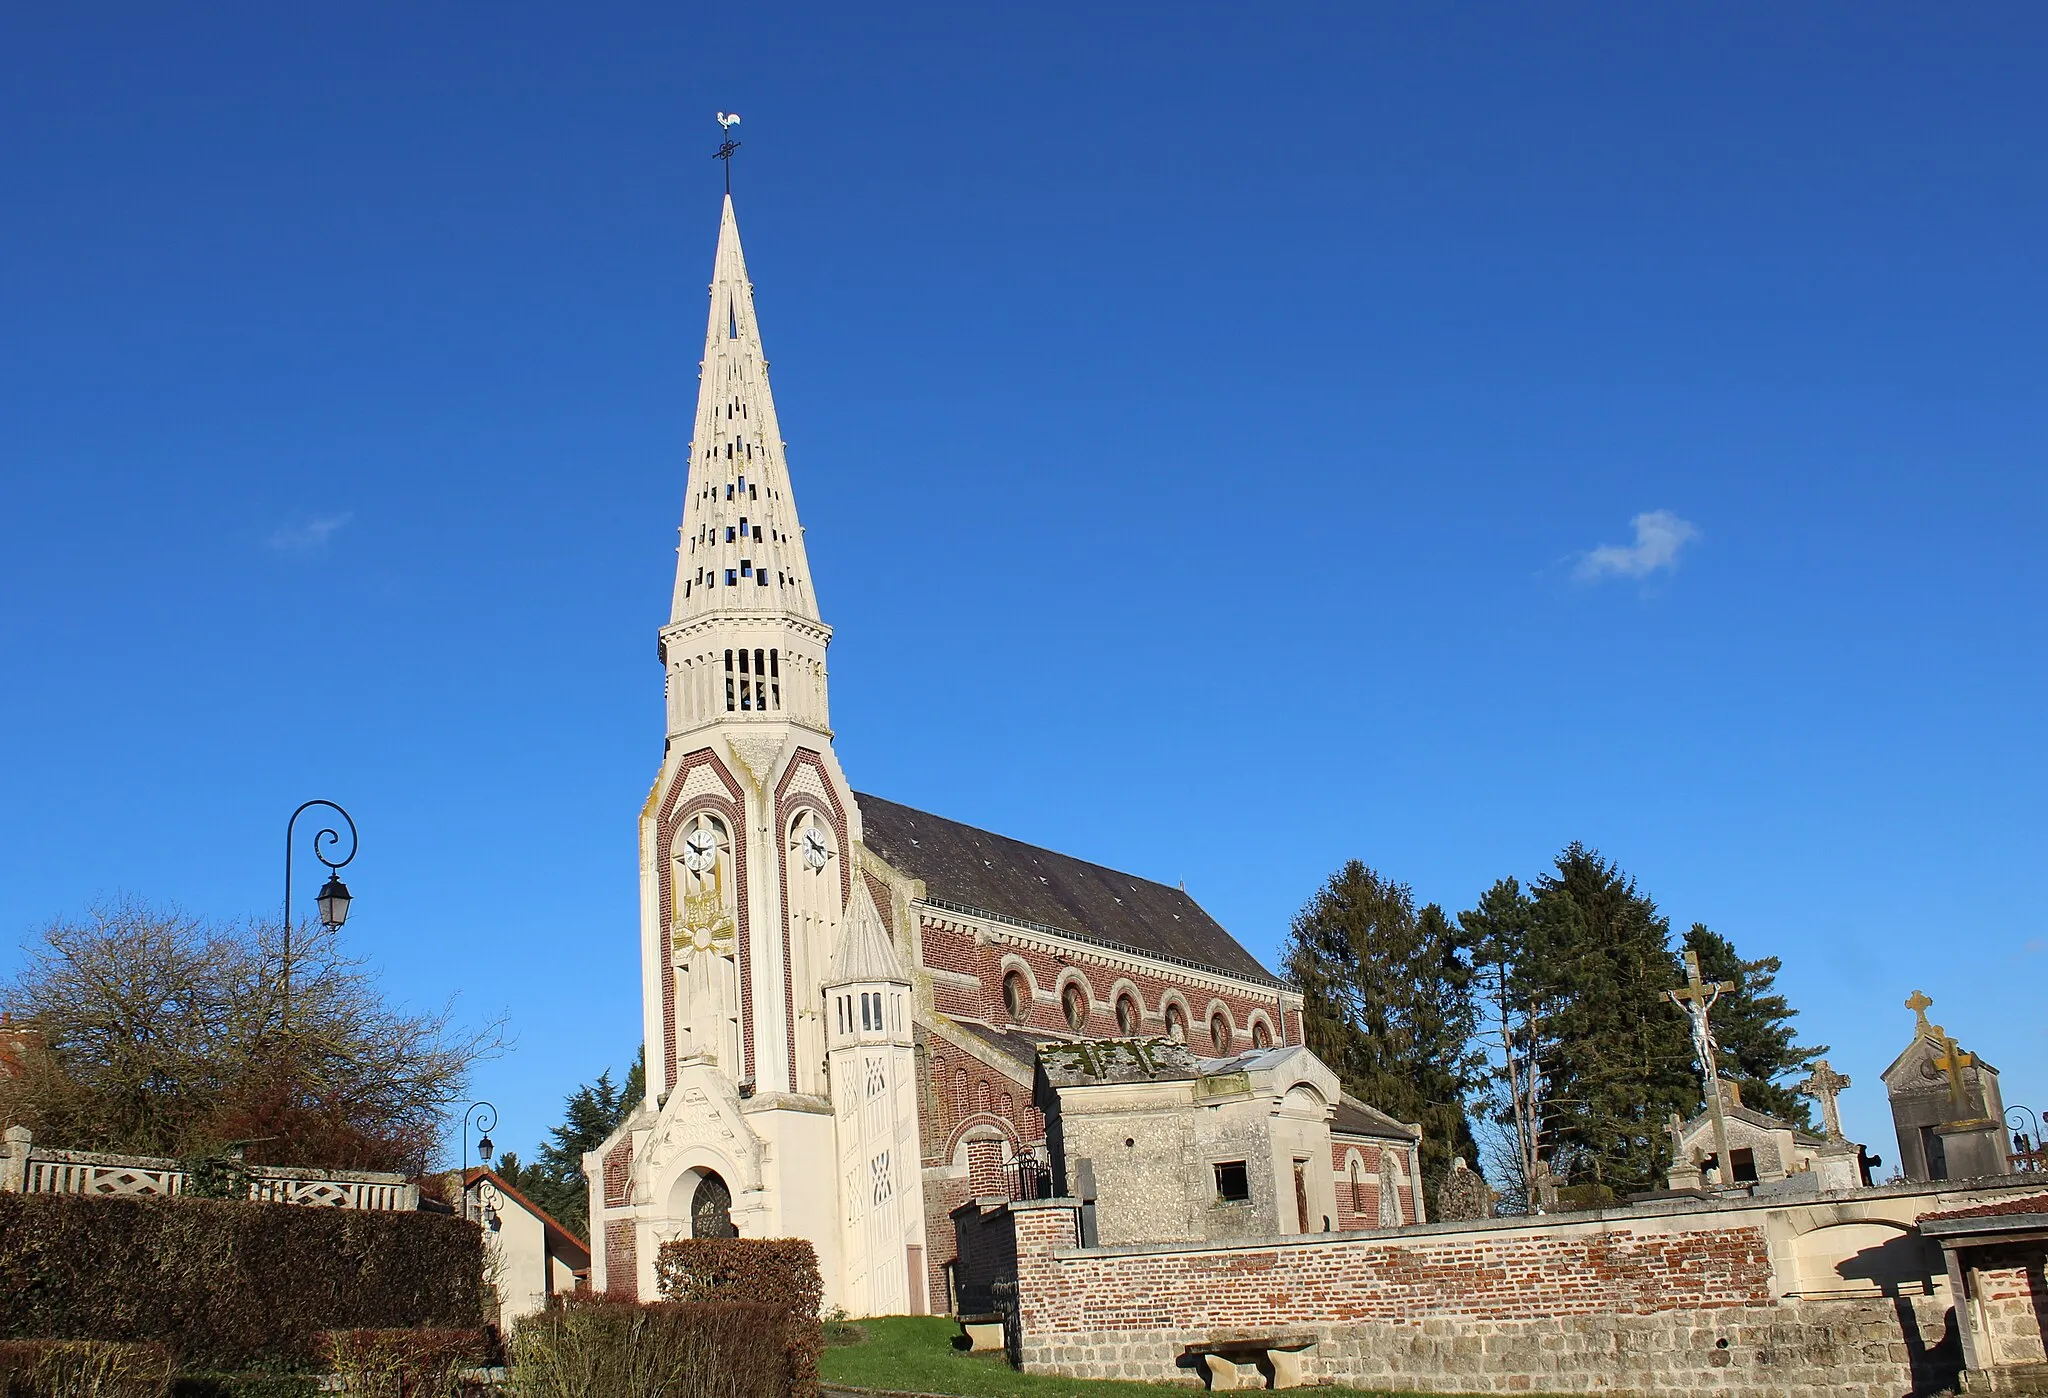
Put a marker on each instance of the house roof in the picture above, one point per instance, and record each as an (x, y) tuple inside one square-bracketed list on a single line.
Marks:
[(1354, 1118), (1084, 1062), (572, 1249), (978, 871)]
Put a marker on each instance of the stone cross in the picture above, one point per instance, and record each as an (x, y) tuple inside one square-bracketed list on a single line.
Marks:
[(1696, 997), (1826, 1084), (1918, 1003), (1952, 1059)]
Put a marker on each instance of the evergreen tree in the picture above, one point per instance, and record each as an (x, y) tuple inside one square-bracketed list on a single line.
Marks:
[(1387, 1003), (1752, 1026), (1619, 1060), (1511, 1029), (592, 1112)]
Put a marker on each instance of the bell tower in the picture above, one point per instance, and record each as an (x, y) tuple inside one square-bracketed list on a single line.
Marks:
[(749, 840)]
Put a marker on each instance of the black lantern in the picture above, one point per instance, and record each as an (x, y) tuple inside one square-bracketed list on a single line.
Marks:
[(333, 902), (483, 1150)]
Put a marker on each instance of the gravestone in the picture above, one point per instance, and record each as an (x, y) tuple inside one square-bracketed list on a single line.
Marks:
[(1464, 1195)]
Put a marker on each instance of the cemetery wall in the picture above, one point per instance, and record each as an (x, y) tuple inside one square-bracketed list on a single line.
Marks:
[(1835, 1294), (2010, 1304)]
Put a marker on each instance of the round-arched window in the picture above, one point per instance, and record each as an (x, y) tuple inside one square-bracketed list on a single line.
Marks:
[(711, 1209), (1262, 1037), (1219, 1032), (1126, 1014), (1016, 996), (1075, 1006), (1176, 1024)]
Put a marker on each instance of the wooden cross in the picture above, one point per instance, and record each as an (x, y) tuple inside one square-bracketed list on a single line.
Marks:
[(1827, 1084), (1696, 997), (1918, 1002), (1952, 1059)]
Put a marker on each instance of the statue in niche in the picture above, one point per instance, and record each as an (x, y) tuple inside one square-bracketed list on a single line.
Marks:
[(703, 942)]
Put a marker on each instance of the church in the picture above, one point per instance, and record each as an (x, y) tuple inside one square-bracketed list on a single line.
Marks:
[(849, 1005)]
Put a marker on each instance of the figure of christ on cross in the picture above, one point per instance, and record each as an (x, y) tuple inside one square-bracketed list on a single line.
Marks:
[(1696, 997)]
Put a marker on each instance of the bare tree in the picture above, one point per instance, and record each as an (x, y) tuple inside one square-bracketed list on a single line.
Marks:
[(160, 1034)]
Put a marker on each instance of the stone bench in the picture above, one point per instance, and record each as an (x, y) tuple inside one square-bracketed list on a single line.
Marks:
[(983, 1331), (1249, 1361)]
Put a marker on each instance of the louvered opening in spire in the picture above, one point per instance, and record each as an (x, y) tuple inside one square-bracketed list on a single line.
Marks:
[(741, 550)]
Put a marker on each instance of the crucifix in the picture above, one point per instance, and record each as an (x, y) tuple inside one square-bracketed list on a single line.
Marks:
[(1826, 1084), (1952, 1059), (1696, 997)]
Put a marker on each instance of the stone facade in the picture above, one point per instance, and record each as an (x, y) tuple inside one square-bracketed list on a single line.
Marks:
[(766, 1115), (1836, 1295)]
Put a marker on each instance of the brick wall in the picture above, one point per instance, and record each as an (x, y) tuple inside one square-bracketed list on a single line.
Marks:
[(1651, 1304), (621, 1259)]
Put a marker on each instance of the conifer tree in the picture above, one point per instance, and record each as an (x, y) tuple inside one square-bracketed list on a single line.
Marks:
[(1387, 1003), (1620, 1057), (592, 1112), (1753, 1028)]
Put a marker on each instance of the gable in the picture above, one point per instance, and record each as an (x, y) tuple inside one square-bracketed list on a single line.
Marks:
[(979, 871)]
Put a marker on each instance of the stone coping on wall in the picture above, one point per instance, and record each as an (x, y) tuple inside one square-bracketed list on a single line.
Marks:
[(1625, 1216), (261, 1172)]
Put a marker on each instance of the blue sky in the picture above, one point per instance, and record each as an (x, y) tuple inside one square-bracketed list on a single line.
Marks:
[(1207, 420)]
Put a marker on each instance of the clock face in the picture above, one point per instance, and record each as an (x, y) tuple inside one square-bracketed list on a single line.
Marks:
[(700, 850), (815, 852)]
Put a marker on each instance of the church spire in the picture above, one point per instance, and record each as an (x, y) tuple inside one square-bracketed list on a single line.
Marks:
[(742, 549), (744, 641)]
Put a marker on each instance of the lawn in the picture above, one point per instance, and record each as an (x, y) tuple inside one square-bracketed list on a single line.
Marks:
[(915, 1354)]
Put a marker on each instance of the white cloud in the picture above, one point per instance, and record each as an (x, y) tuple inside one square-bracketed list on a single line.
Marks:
[(1660, 535), (307, 536)]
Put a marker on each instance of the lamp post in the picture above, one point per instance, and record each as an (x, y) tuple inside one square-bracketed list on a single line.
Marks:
[(333, 898), (485, 1115)]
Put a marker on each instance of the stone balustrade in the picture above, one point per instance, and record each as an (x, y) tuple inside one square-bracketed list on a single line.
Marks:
[(27, 1168)]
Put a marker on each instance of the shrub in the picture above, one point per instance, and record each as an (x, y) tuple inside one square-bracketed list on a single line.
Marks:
[(601, 1348), (404, 1363), (83, 1369), (228, 1285), (778, 1272), (257, 1384)]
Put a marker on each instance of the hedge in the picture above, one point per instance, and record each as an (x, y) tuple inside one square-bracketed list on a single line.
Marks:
[(602, 1348), (405, 1363), (778, 1272), (83, 1369), (229, 1285)]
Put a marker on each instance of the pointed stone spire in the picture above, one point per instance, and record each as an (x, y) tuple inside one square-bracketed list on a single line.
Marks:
[(742, 548), (865, 952)]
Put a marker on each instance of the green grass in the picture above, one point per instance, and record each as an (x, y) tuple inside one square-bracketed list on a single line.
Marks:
[(915, 1354)]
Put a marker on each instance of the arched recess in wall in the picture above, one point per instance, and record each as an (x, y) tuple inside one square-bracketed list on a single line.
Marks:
[(1220, 1032), (810, 859), (1019, 990), (1127, 1009), (1354, 1180), (1173, 1012), (1872, 1257), (704, 935), (1260, 1026), (1076, 1000)]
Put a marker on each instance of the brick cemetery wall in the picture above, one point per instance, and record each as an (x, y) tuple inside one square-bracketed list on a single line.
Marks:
[(1833, 1295)]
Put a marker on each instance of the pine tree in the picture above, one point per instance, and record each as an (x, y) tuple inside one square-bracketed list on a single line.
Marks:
[(1512, 1030), (592, 1112), (1620, 1057), (1387, 1004), (1752, 1028)]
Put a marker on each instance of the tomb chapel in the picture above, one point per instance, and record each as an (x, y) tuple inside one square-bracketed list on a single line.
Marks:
[(845, 1000)]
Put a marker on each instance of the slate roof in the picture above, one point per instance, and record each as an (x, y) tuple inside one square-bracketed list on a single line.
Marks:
[(1020, 1044), (1353, 1118), (984, 872), (1089, 1061)]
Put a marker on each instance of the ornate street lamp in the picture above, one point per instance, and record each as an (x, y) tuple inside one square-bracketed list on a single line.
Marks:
[(334, 897), (485, 1116)]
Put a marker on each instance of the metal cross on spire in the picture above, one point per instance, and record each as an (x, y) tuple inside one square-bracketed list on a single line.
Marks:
[(1696, 997), (726, 122), (1825, 1084)]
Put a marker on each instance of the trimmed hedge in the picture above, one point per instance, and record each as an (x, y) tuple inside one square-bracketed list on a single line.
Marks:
[(601, 1348), (778, 1272), (83, 1369), (405, 1363), (227, 1284)]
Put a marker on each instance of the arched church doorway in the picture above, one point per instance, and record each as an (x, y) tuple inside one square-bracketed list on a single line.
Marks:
[(711, 1208)]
